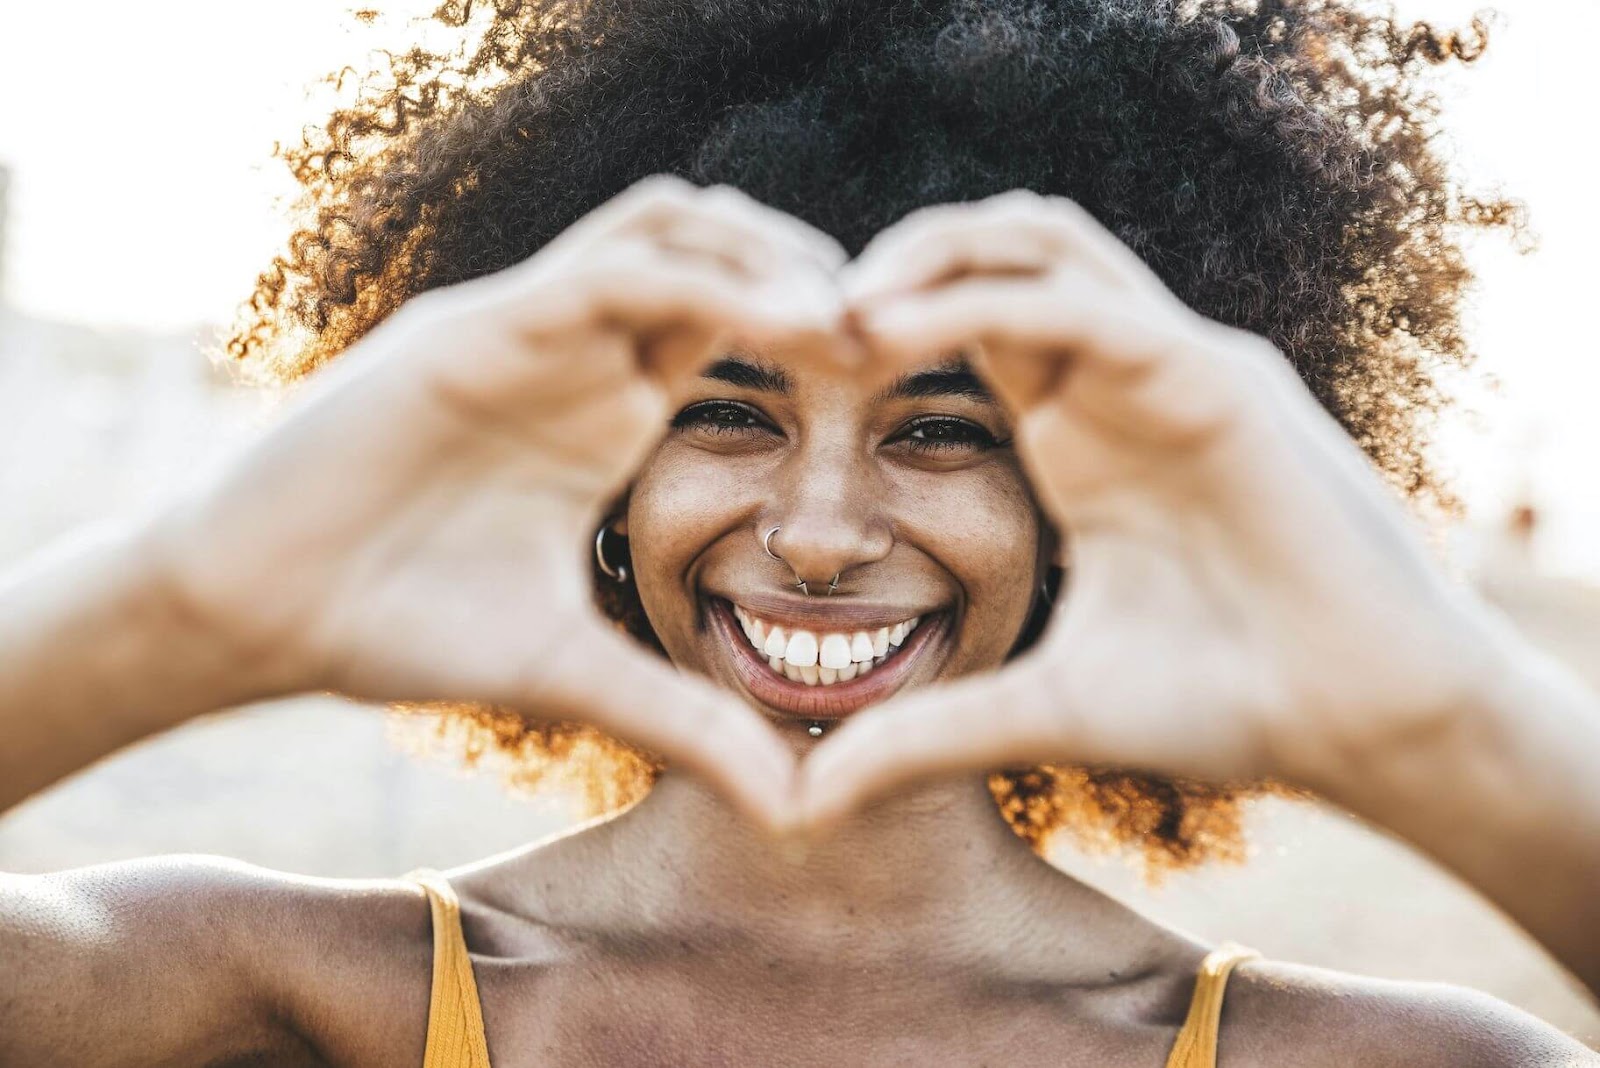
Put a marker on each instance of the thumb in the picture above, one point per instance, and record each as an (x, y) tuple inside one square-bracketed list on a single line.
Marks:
[(604, 679), (980, 723)]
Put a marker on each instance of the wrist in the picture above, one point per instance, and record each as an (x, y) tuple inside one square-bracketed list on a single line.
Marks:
[(1486, 753), (222, 664)]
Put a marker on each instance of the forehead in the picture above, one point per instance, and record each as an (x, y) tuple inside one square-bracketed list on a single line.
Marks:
[(949, 376)]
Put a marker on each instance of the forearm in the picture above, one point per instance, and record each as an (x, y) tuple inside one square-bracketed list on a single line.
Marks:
[(1509, 798), (95, 654)]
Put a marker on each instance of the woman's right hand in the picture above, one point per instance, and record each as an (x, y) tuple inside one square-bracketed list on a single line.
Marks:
[(418, 528)]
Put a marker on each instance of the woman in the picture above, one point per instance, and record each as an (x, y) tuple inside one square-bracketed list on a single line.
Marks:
[(994, 435)]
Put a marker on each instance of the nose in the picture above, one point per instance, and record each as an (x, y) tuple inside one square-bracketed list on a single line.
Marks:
[(831, 516)]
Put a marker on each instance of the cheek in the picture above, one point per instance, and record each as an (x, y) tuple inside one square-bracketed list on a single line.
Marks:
[(679, 506), (983, 527)]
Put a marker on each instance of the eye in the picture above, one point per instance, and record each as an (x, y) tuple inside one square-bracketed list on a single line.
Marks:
[(943, 435), (721, 417)]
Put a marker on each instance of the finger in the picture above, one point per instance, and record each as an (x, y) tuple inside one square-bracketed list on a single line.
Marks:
[(647, 292), (718, 221), (604, 679), (979, 723), (1016, 232), (1067, 316), (782, 228)]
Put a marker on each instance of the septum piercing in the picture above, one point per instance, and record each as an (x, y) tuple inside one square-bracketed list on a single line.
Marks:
[(799, 583)]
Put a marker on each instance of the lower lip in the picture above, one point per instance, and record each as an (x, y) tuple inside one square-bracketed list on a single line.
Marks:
[(820, 702)]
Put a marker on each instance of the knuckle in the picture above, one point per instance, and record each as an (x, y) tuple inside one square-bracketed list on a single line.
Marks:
[(724, 195), (646, 200), (660, 189)]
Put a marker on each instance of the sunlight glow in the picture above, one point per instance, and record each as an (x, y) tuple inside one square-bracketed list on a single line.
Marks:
[(142, 194)]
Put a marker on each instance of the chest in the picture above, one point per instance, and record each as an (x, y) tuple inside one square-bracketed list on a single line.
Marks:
[(578, 1017)]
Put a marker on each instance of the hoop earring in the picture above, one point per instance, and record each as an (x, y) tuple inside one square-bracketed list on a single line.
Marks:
[(618, 575)]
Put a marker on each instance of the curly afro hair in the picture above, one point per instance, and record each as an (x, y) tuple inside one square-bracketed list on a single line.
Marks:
[(1276, 162)]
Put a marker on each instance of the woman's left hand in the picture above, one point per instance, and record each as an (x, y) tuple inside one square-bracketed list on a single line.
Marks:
[(1245, 598)]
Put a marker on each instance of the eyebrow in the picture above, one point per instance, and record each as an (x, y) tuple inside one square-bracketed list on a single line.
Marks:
[(954, 378), (747, 373)]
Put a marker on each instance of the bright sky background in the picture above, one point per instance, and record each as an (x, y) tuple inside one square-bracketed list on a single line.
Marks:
[(138, 136)]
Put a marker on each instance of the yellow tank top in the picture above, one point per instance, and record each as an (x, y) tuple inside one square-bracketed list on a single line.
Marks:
[(455, 1016)]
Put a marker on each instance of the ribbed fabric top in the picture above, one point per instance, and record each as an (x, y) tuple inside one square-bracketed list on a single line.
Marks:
[(455, 1016), (1196, 1046), (456, 1036)]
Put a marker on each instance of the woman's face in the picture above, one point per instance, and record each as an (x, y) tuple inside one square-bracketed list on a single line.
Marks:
[(911, 494)]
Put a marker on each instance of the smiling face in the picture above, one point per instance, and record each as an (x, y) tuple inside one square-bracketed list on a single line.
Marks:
[(911, 494)]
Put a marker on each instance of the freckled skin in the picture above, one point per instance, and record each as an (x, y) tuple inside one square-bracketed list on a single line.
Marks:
[(957, 530)]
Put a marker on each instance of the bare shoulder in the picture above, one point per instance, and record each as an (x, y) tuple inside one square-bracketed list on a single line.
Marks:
[(1281, 1013), (200, 960)]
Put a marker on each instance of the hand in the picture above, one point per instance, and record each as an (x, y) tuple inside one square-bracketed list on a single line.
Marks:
[(419, 528), (1244, 598)]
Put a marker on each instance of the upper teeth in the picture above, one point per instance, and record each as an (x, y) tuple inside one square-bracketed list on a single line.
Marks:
[(822, 659)]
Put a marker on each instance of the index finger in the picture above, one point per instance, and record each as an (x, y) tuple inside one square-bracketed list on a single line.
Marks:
[(604, 679), (1012, 233)]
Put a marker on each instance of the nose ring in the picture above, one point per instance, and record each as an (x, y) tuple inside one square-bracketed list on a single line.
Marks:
[(799, 583), (766, 543)]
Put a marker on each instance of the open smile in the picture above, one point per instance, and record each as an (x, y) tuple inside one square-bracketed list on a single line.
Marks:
[(817, 668)]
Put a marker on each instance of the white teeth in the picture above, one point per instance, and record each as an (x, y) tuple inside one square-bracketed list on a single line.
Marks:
[(802, 651), (822, 660), (835, 651)]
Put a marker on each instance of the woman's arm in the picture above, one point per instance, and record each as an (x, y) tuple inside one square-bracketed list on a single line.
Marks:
[(96, 652), (1244, 598), (416, 528), (1506, 793)]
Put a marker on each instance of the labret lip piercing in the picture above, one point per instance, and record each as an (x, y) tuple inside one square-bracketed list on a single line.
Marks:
[(815, 730)]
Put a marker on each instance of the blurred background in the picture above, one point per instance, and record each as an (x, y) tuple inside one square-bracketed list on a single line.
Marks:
[(138, 200)]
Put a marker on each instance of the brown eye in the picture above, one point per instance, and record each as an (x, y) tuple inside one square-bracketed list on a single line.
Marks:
[(722, 417), (941, 434)]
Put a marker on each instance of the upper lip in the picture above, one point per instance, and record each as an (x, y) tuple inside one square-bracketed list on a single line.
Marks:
[(826, 613)]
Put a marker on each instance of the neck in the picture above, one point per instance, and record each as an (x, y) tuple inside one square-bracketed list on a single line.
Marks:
[(936, 868), (941, 849)]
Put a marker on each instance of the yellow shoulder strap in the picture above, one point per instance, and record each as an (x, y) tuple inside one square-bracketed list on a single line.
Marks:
[(1196, 1046), (455, 1018)]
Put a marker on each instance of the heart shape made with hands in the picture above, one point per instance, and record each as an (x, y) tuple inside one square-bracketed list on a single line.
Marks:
[(1215, 515), (1232, 554)]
